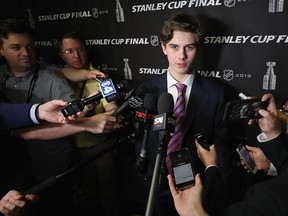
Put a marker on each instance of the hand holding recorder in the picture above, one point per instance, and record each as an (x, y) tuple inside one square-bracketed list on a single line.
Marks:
[(208, 158)]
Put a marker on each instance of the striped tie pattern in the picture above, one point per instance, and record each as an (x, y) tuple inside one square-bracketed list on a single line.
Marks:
[(179, 113)]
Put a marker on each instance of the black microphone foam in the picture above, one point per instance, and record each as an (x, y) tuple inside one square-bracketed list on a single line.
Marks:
[(165, 103), (133, 101), (150, 101)]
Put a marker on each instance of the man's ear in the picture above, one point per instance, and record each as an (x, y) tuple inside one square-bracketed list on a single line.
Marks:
[(163, 48)]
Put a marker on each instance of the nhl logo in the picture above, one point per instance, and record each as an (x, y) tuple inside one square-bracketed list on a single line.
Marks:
[(95, 13), (228, 75), (229, 3), (154, 40)]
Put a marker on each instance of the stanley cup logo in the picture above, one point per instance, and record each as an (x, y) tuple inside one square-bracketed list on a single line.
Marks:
[(31, 20), (119, 12), (275, 6), (269, 79), (127, 70)]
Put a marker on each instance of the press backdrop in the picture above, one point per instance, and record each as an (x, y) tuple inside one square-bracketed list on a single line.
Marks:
[(245, 41)]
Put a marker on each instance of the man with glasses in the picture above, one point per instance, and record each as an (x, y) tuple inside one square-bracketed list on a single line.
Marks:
[(97, 180)]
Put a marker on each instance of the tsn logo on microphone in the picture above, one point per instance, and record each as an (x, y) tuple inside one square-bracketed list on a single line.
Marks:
[(163, 122)]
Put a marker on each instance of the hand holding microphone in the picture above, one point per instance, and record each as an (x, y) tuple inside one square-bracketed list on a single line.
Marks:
[(108, 91)]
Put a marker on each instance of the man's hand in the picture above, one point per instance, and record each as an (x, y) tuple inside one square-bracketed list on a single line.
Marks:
[(100, 123), (270, 123), (51, 111), (92, 74), (14, 202), (207, 157), (188, 202), (261, 161)]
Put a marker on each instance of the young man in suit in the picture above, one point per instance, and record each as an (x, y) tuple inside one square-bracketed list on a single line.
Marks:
[(265, 198), (205, 100)]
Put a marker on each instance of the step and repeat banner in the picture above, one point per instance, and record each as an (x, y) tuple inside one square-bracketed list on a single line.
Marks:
[(245, 42)]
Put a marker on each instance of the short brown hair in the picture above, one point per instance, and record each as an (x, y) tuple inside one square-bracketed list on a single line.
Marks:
[(180, 22), (72, 35)]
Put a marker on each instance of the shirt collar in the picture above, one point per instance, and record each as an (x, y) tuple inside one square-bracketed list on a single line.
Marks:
[(171, 81)]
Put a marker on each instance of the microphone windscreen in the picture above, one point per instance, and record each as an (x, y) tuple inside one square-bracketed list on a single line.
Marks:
[(124, 85), (150, 102), (141, 91), (165, 103)]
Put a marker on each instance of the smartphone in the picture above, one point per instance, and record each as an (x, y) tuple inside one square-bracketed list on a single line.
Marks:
[(182, 170), (244, 109), (202, 140), (245, 156)]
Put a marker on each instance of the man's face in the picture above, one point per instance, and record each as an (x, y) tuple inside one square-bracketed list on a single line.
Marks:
[(180, 52), (74, 54), (19, 51)]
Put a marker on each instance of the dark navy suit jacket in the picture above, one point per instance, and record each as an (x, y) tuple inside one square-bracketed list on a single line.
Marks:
[(13, 155), (204, 113), (14, 115)]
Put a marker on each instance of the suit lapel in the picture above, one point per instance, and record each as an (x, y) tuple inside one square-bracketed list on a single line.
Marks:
[(196, 95)]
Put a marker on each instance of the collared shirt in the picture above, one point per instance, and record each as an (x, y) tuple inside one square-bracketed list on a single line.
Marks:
[(171, 88)]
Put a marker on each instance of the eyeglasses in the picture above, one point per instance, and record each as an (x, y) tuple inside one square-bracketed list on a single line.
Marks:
[(71, 51)]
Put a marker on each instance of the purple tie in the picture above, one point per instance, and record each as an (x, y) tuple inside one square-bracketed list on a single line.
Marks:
[(179, 112)]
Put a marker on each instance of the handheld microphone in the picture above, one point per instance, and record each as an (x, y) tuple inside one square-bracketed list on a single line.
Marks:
[(165, 121), (145, 115), (108, 91), (133, 101), (165, 124)]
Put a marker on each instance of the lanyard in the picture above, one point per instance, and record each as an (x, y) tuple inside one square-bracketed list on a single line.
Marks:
[(31, 87)]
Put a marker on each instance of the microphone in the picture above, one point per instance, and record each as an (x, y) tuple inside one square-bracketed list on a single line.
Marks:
[(108, 91), (165, 121), (145, 115), (133, 101), (165, 124)]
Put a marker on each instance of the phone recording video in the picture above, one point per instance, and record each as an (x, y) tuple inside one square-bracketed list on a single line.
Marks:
[(244, 109), (182, 170)]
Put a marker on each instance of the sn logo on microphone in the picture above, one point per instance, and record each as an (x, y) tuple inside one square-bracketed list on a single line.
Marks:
[(158, 120), (164, 122)]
